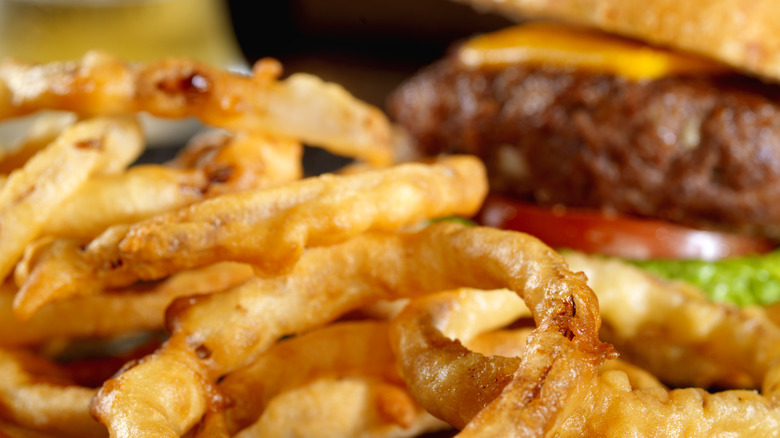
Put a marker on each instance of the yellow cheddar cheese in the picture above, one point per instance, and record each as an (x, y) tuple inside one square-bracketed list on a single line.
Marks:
[(565, 46)]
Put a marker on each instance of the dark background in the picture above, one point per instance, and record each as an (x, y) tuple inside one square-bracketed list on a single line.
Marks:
[(367, 46)]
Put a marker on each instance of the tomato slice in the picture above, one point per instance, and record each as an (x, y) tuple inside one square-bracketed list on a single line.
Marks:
[(615, 235)]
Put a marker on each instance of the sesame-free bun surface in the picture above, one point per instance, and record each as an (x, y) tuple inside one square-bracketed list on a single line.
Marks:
[(744, 34)]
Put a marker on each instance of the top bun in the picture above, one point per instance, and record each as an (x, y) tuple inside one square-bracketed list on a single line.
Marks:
[(742, 34)]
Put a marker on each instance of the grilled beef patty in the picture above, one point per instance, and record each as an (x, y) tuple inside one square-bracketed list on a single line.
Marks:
[(698, 151)]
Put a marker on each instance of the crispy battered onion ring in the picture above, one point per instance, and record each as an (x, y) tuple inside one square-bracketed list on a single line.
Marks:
[(128, 310), (460, 386), (61, 407), (343, 349), (166, 393), (511, 343), (621, 400), (302, 106), (212, 164), (496, 395), (348, 407), (43, 129), (102, 145), (674, 331), (267, 228)]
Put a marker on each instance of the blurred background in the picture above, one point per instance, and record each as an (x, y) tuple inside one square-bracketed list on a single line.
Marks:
[(369, 47)]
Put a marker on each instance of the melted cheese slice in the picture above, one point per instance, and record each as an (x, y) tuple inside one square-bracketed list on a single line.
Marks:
[(572, 47)]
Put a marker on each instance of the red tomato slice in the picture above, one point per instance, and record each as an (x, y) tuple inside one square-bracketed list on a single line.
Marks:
[(594, 232)]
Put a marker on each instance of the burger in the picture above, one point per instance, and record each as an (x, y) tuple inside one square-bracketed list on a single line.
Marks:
[(646, 130)]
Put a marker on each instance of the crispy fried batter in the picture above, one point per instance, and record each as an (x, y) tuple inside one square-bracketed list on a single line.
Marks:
[(213, 164), (43, 129), (350, 407), (620, 401), (59, 406), (339, 349), (268, 228), (349, 349), (31, 194), (302, 106), (136, 308), (675, 332), (209, 338)]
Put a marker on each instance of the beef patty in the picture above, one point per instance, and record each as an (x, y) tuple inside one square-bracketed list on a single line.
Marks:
[(699, 151)]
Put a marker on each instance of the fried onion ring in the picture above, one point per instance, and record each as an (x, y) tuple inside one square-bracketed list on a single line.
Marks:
[(337, 350), (32, 193), (511, 343), (302, 106), (349, 407), (674, 331), (43, 129), (346, 349), (166, 393), (490, 396), (60, 407), (136, 308), (267, 228), (620, 401), (214, 163)]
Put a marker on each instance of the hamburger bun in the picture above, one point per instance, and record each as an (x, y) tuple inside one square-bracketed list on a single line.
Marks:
[(741, 34)]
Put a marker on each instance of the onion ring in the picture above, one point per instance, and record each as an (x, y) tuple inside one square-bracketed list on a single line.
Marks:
[(210, 338), (674, 331), (302, 106), (348, 407), (357, 349), (43, 129), (267, 228), (212, 164), (511, 343), (607, 404), (492, 396), (132, 309), (32, 193), (60, 407)]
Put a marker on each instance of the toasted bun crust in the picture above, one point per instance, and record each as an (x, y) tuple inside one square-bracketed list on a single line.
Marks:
[(743, 34)]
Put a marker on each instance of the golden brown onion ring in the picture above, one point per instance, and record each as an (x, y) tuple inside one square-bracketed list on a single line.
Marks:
[(348, 407), (621, 401), (102, 145), (496, 395), (128, 310), (674, 331), (43, 129), (213, 164), (357, 349), (166, 393), (44, 401), (301, 106), (268, 228), (511, 343)]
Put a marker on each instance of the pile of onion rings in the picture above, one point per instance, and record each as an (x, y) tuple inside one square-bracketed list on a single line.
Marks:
[(224, 294)]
